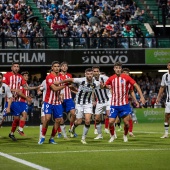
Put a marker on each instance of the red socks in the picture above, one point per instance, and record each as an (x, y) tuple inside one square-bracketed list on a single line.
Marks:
[(130, 125), (106, 123), (21, 123), (54, 131), (15, 123), (71, 124), (126, 128), (59, 130), (112, 129), (44, 130)]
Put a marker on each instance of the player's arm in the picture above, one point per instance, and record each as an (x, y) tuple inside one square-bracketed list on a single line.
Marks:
[(9, 97), (9, 105), (61, 95), (132, 93), (57, 88), (142, 99), (94, 99), (161, 90), (70, 80), (19, 92), (26, 87), (73, 88)]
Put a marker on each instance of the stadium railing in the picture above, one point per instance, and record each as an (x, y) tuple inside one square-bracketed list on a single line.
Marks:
[(90, 42)]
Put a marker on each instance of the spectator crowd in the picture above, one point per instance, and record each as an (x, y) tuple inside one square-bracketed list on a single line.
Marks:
[(99, 20), (15, 21)]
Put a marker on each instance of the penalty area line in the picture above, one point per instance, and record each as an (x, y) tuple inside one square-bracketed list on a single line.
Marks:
[(32, 165), (90, 151)]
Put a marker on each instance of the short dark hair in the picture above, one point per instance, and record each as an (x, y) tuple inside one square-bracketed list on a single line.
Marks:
[(64, 62), (24, 72), (118, 64), (95, 67), (88, 70), (15, 63), (126, 69), (55, 62), (1, 74)]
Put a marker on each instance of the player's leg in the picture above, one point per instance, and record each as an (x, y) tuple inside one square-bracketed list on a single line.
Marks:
[(69, 107), (166, 122), (124, 113), (131, 127), (78, 121), (98, 112), (58, 116), (63, 128), (88, 111), (48, 109), (15, 111), (86, 127), (106, 122), (15, 123), (112, 118), (107, 112), (166, 125), (42, 120)]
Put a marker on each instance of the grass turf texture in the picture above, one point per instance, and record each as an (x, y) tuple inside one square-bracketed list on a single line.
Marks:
[(144, 151)]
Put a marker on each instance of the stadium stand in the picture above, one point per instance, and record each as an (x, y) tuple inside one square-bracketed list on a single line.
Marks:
[(81, 24)]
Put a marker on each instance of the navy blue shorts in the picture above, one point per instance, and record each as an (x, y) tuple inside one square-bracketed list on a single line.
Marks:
[(120, 111), (68, 104), (56, 110)]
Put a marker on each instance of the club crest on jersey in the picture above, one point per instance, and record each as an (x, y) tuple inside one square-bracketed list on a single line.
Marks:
[(19, 80), (50, 80), (122, 81)]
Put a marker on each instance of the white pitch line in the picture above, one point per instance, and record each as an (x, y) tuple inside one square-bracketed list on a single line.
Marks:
[(32, 165), (147, 132), (87, 151)]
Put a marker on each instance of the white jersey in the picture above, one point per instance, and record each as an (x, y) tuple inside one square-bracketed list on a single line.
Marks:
[(166, 83), (102, 95), (4, 94), (85, 90), (43, 88)]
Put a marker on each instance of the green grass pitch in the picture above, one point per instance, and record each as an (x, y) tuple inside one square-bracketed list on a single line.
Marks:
[(145, 151)]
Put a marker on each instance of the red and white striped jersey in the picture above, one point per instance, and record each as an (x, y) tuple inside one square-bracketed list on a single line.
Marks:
[(51, 96), (25, 92), (67, 91), (120, 88), (14, 81)]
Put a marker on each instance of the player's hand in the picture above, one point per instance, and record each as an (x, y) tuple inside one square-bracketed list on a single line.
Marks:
[(57, 83), (61, 98), (143, 100), (29, 100), (137, 104), (102, 85), (94, 103), (157, 100), (39, 92), (8, 110)]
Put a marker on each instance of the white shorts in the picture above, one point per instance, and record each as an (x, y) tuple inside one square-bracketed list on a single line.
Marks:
[(102, 107), (167, 107), (42, 110), (83, 109)]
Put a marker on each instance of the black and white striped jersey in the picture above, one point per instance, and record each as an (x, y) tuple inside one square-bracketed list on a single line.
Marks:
[(85, 90), (5, 93), (166, 83), (43, 88), (102, 95)]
